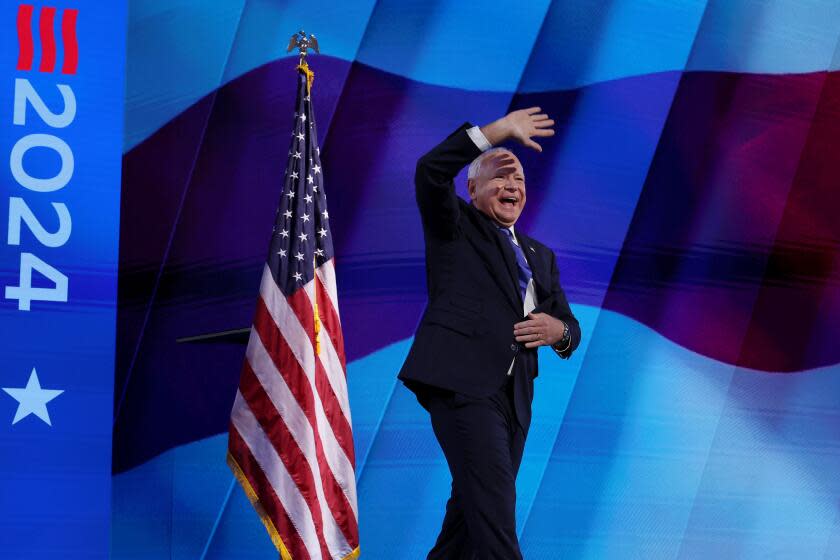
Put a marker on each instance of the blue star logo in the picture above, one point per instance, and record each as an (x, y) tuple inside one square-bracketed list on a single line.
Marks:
[(32, 399)]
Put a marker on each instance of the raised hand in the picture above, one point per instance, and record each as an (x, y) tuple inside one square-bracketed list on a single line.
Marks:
[(521, 126)]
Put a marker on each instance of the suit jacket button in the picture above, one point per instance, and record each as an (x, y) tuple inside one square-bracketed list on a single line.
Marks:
[(513, 347)]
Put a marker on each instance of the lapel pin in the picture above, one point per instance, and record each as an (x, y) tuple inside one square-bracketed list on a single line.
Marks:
[(532, 249)]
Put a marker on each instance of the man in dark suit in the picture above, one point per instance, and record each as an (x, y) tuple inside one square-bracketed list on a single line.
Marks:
[(494, 297)]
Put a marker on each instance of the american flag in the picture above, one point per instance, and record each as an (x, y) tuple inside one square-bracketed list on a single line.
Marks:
[(291, 443)]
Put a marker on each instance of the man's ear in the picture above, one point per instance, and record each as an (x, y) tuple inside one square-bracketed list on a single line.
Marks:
[(471, 188)]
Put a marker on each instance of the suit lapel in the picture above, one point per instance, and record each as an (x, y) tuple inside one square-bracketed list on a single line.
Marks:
[(509, 258), (498, 257)]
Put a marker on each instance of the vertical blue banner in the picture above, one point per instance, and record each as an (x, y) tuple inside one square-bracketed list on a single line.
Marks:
[(61, 113)]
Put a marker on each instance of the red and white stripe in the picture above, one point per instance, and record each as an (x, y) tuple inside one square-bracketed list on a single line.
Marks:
[(291, 434)]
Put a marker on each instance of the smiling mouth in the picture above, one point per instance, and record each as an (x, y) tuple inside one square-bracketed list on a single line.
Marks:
[(509, 201)]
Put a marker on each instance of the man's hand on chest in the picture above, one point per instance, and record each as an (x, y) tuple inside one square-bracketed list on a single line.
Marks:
[(541, 329)]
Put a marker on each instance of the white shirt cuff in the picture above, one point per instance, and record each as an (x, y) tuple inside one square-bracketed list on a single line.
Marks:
[(479, 139)]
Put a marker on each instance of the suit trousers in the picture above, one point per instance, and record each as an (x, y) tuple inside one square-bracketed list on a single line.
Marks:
[(483, 443)]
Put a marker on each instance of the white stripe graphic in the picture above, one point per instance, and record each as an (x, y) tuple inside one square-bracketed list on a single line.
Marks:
[(295, 419), (268, 460), (286, 320)]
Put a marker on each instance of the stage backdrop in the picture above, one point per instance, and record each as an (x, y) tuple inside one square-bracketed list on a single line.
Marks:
[(690, 194), (62, 68)]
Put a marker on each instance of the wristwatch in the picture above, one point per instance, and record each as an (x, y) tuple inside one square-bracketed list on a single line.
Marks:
[(563, 344)]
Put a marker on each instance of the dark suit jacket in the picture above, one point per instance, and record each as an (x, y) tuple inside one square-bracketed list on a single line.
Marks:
[(465, 342)]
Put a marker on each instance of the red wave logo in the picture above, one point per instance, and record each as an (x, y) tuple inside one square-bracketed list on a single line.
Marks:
[(46, 35)]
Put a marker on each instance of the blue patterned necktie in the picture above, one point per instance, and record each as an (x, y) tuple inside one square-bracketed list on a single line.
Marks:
[(521, 262)]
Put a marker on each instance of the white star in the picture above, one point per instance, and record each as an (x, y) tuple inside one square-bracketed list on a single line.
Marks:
[(302, 237), (290, 194), (297, 155), (315, 188), (298, 276), (305, 218), (282, 252), (294, 174), (300, 136), (307, 198), (322, 232), (299, 256), (319, 252), (318, 151), (32, 399), (303, 118), (285, 233), (309, 179), (316, 169), (306, 98), (288, 213), (326, 214)]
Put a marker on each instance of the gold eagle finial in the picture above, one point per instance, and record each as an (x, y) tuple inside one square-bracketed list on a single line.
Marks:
[(303, 42)]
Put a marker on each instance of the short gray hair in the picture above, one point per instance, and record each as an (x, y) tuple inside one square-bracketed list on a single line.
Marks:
[(475, 166)]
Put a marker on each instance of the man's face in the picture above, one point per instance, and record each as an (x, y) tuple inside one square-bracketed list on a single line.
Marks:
[(498, 189)]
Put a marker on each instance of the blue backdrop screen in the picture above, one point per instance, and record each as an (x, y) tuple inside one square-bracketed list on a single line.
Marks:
[(690, 195)]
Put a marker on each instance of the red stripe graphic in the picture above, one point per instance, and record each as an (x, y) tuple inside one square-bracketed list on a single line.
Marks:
[(71, 45), (24, 31), (45, 24)]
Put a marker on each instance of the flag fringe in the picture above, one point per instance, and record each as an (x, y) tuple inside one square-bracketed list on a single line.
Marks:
[(269, 526), (353, 555), (255, 501)]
